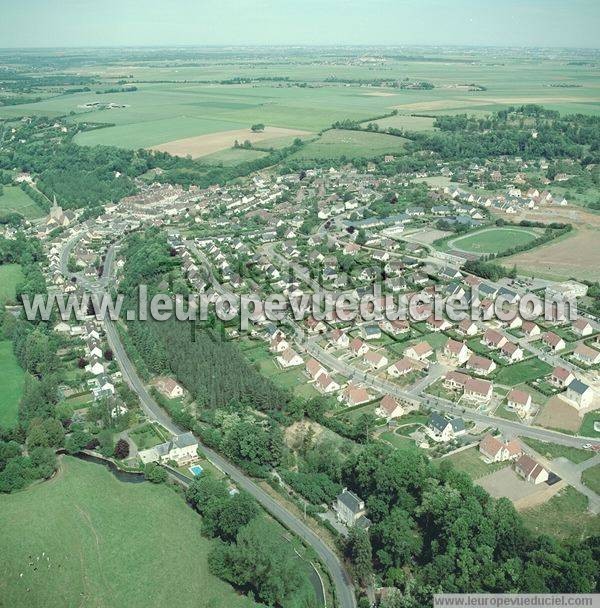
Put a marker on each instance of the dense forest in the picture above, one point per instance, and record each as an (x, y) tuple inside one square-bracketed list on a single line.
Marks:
[(208, 365)]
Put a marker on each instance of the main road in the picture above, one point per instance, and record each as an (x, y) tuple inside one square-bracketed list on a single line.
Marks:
[(342, 582)]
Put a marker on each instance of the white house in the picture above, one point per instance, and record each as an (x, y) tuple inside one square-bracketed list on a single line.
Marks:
[(183, 449)]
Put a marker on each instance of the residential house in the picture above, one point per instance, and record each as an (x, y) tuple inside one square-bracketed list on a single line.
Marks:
[(358, 348), (553, 341), (580, 394), (289, 358), (520, 402), (349, 508), (315, 326), (169, 388), (456, 350), (442, 429), (183, 449), (395, 327), (375, 360), (531, 470), (420, 351), (326, 384), (456, 380), (561, 377), (354, 395), (582, 327), (389, 408), (278, 344), (467, 327), (370, 332), (401, 368), (481, 365), (314, 369), (529, 328), (339, 339), (492, 449), (493, 339), (476, 389), (587, 355), (511, 351)]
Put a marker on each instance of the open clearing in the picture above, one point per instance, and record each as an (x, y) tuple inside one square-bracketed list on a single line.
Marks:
[(110, 544), (351, 144), (14, 199), (10, 276), (492, 240), (558, 414), (203, 145), (591, 478), (11, 381), (564, 516), (529, 369)]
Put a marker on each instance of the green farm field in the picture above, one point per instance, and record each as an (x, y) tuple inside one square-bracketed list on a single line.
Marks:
[(179, 100), (12, 378), (337, 143), (492, 240), (110, 544), (13, 199)]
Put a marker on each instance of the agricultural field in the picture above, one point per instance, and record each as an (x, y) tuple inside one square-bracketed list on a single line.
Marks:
[(575, 256), (10, 276), (406, 122), (12, 378), (492, 240), (106, 545), (13, 199), (233, 156), (337, 143)]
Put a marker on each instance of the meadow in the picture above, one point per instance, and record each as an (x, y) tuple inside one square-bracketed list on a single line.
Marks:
[(106, 545), (351, 144), (12, 378), (13, 199)]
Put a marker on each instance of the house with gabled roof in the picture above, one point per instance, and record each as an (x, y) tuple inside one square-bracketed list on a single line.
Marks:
[(420, 351), (358, 347), (389, 408), (553, 341), (354, 394), (587, 355), (314, 369), (493, 339), (582, 327), (580, 394), (476, 389), (401, 368), (531, 470), (561, 377), (289, 358), (326, 384), (339, 339), (442, 429), (481, 365), (511, 351), (520, 402), (456, 350), (375, 360), (529, 328), (467, 327), (183, 449)]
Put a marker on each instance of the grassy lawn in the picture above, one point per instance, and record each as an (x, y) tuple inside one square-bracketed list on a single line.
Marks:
[(587, 426), (492, 240), (564, 516), (14, 199), (11, 381), (147, 436), (470, 462), (397, 441), (553, 450), (10, 276), (591, 478), (522, 371), (110, 544)]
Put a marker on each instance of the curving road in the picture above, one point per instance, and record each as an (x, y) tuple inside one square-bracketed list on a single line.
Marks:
[(344, 588)]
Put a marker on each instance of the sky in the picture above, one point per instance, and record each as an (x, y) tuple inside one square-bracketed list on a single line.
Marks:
[(81, 23)]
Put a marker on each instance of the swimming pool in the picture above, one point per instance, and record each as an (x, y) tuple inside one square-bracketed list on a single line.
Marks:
[(196, 470)]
